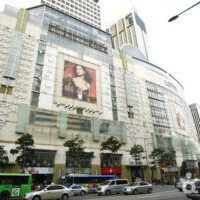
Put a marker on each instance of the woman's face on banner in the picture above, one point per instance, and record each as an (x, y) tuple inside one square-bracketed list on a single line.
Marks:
[(79, 70)]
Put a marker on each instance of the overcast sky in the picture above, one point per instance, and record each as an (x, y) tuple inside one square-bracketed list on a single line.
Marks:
[(174, 46)]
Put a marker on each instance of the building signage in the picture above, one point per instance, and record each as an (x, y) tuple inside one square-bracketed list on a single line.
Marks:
[(70, 170), (167, 83), (110, 170), (77, 37), (38, 170)]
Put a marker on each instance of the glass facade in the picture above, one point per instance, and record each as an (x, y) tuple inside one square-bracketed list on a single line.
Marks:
[(158, 108), (68, 32)]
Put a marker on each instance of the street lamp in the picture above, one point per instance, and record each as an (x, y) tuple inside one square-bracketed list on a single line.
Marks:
[(176, 16)]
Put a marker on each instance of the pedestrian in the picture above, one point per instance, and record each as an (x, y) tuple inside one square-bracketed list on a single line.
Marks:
[(35, 187), (41, 186)]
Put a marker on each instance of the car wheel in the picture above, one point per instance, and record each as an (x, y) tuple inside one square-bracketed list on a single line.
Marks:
[(108, 192), (135, 192), (65, 197), (150, 190), (5, 195), (36, 198), (82, 193), (180, 190)]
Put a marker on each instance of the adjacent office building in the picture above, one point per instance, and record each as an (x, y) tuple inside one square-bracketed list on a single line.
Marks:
[(129, 28), (61, 78), (195, 109), (84, 10)]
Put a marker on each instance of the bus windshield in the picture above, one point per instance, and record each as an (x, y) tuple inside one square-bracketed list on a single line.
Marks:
[(15, 185)]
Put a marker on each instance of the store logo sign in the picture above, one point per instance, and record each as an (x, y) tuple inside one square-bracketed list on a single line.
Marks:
[(15, 192)]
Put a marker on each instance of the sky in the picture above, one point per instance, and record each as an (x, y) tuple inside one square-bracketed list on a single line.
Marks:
[(174, 46)]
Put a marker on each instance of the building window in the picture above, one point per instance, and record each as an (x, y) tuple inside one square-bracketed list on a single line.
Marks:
[(6, 89), (115, 116), (130, 112), (79, 111), (35, 99)]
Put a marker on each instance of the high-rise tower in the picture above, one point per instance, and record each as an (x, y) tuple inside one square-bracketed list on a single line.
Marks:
[(129, 29), (85, 10)]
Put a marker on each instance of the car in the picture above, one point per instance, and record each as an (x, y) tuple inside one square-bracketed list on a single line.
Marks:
[(112, 186), (181, 183), (78, 190), (192, 189), (138, 187), (53, 191)]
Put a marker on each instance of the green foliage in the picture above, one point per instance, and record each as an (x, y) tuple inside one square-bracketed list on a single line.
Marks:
[(75, 145), (137, 152), (155, 157), (24, 149), (111, 144), (76, 149), (166, 159), (3, 158), (163, 159)]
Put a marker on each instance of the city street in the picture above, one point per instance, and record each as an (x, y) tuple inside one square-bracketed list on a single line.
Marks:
[(159, 193)]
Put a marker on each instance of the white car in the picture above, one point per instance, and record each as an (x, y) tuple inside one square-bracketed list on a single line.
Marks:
[(78, 190), (53, 191), (138, 187)]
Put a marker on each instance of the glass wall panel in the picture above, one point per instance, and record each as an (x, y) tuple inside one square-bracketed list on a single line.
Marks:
[(43, 118), (78, 123), (109, 127)]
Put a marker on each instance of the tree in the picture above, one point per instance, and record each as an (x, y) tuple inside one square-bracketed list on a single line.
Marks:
[(167, 158), (75, 145), (76, 155), (111, 160), (111, 144), (136, 152), (155, 157), (24, 149), (3, 158)]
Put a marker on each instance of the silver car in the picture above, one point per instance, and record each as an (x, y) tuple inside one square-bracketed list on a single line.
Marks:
[(49, 192), (78, 190), (138, 187), (112, 186)]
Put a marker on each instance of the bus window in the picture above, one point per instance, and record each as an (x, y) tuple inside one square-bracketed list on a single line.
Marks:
[(69, 181)]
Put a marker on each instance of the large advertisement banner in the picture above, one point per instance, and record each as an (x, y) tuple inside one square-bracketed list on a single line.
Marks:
[(178, 116), (79, 82)]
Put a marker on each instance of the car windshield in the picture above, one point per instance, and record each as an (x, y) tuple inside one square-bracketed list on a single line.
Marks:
[(41, 188), (106, 183), (182, 179), (134, 184)]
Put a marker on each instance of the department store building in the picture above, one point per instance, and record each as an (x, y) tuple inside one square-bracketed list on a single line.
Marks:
[(130, 98)]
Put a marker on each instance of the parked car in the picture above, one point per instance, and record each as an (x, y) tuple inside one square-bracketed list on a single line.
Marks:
[(53, 191), (138, 187), (112, 186), (78, 190), (192, 189), (179, 184), (182, 182)]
